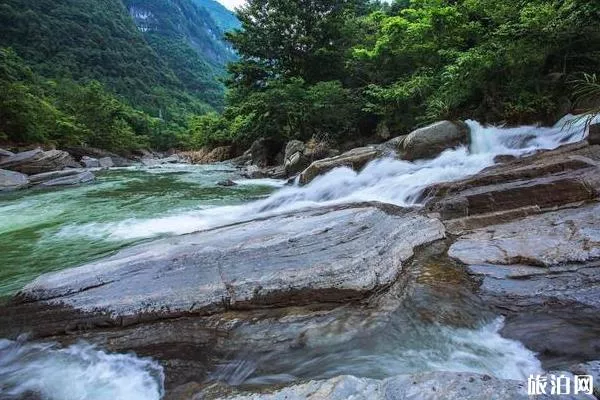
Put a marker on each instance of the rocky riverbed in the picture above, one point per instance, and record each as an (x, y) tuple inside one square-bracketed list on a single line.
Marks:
[(450, 278)]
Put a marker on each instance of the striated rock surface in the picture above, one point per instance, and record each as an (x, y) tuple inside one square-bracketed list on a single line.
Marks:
[(10, 180), (571, 235), (5, 154), (295, 159), (37, 161), (48, 176), (325, 255), (68, 180), (430, 141), (355, 159), (430, 386)]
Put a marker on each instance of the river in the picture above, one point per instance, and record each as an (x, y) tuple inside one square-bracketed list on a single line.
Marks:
[(45, 230)]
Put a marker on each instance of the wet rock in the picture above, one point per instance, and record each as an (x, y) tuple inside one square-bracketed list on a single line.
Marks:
[(89, 162), (571, 235), (106, 162), (355, 159), (5, 154), (394, 147), (263, 152), (91, 152), (10, 180), (69, 180), (295, 159), (430, 141), (430, 385), (545, 180), (49, 176), (594, 135), (37, 161), (328, 255)]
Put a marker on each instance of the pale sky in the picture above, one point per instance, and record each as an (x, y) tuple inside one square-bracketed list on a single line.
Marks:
[(231, 4)]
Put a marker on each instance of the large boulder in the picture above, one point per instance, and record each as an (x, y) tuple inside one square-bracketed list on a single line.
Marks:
[(38, 161), (355, 159), (106, 162), (430, 141), (295, 159), (10, 180), (335, 255), (265, 152), (90, 162)]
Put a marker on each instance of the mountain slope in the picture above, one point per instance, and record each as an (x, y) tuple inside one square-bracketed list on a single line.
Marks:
[(224, 18), (163, 58)]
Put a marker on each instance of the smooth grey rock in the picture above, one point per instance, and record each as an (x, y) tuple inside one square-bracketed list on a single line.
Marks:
[(570, 235), (425, 386), (335, 254), (89, 162), (430, 141), (5, 153), (79, 178), (295, 159), (10, 180), (37, 161), (355, 159), (106, 162), (48, 176), (394, 147)]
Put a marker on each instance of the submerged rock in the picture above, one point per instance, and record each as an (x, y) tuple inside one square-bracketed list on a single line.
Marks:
[(10, 180), (227, 183), (355, 159), (430, 141), (38, 161)]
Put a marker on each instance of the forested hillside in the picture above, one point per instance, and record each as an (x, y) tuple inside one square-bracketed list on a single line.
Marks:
[(145, 65), (341, 69)]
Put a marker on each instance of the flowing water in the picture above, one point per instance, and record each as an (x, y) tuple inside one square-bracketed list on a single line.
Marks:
[(44, 230)]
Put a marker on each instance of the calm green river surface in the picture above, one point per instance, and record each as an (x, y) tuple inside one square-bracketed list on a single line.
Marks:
[(46, 230)]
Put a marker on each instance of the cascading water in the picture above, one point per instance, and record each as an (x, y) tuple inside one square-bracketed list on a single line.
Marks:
[(77, 372), (385, 180)]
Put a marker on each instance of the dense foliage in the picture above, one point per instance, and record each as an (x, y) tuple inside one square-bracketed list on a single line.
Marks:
[(90, 72), (344, 68)]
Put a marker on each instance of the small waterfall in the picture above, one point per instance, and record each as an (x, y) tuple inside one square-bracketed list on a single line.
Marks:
[(77, 372), (384, 180)]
